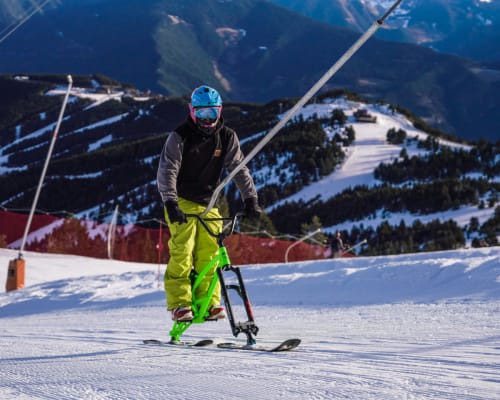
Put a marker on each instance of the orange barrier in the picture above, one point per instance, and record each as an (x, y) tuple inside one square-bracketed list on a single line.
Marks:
[(50, 234), (15, 275)]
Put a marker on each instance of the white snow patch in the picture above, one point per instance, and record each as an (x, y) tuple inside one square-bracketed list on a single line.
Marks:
[(415, 326), (104, 122), (96, 145)]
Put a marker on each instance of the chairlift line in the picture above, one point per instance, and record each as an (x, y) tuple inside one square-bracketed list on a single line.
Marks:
[(312, 91), (32, 11)]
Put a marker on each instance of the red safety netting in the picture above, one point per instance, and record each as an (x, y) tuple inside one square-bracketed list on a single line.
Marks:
[(52, 234), (12, 225)]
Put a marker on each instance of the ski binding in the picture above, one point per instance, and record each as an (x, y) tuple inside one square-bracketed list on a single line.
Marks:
[(199, 343)]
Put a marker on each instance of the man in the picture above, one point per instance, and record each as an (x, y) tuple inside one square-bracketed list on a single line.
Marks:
[(337, 246), (190, 168)]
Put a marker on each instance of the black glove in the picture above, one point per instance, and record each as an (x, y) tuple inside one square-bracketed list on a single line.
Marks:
[(174, 212), (251, 208)]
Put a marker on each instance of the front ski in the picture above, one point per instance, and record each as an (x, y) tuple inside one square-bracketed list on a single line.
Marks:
[(199, 343), (289, 344)]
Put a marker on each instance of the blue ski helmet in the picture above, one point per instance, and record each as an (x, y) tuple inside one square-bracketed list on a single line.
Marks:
[(205, 96), (205, 108)]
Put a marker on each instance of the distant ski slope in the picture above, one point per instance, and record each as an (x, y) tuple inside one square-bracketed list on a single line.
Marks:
[(369, 150)]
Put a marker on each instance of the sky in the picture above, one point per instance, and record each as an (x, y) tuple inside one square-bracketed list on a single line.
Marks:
[(414, 326)]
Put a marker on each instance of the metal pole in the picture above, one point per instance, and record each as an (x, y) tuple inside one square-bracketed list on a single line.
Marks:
[(111, 233), (353, 247), (44, 171), (317, 86), (299, 241), (36, 9)]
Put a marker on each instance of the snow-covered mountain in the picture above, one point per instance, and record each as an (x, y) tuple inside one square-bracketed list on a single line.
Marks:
[(107, 134), (369, 149), (367, 152), (415, 326), (468, 28)]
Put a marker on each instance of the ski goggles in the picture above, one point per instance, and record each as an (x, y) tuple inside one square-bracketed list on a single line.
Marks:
[(207, 113)]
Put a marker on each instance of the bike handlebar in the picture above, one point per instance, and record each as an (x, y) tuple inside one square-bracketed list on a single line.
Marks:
[(203, 222)]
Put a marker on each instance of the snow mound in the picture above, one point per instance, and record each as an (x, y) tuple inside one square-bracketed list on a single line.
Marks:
[(460, 275)]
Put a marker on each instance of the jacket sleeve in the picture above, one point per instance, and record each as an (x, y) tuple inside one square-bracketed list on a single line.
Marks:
[(243, 180), (169, 167)]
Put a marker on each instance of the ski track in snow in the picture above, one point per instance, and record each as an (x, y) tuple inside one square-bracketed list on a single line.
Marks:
[(411, 351), (416, 326)]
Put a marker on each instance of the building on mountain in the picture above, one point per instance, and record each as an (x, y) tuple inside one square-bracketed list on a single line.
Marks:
[(362, 115)]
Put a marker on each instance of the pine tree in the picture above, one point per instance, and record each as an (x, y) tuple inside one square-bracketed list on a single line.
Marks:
[(473, 225), (338, 117), (314, 225)]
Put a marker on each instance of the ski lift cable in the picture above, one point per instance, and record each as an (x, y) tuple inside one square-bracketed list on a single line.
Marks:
[(32, 11), (17, 19), (312, 91), (71, 215)]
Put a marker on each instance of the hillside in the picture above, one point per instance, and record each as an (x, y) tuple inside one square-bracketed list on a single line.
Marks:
[(467, 28), (169, 47), (414, 326), (322, 165)]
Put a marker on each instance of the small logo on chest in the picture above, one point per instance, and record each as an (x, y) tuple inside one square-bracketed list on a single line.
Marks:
[(217, 152)]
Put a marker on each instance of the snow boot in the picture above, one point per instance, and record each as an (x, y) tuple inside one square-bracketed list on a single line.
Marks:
[(180, 314), (216, 312)]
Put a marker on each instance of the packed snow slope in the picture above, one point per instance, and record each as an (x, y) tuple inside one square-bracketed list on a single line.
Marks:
[(415, 326)]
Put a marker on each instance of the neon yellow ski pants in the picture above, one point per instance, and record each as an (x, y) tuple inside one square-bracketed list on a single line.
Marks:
[(191, 246)]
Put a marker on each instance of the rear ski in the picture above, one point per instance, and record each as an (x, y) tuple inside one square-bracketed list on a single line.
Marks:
[(287, 345)]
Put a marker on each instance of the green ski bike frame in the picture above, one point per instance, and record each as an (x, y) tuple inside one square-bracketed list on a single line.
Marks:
[(222, 264)]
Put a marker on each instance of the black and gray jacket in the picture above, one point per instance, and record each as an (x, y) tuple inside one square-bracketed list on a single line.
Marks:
[(191, 163)]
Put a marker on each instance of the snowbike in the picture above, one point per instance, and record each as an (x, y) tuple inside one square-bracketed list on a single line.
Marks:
[(200, 305)]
